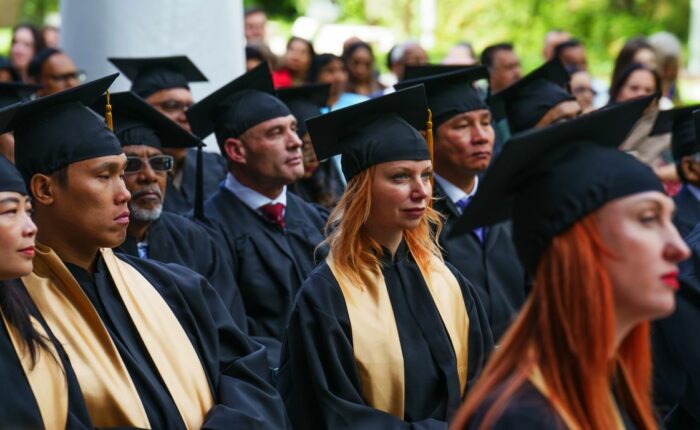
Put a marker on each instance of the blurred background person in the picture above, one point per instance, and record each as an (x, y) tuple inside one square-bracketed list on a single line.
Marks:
[(254, 23), (256, 53), (668, 51), (582, 88), (54, 70), (330, 69), (635, 50), (461, 54), (26, 42), (296, 63), (7, 72), (362, 75), (503, 64), (51, 36), (551, 40)]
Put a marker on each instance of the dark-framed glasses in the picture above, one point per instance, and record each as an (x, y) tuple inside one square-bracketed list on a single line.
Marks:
[(159, 163), (78, 76), (172, 106)]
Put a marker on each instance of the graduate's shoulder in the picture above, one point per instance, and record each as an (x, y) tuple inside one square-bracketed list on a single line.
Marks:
[(316, 213), (185, 226), (321, 291), (163, 275)]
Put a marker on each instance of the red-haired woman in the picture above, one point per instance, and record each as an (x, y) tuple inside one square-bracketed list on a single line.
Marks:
[(593, 225), (383, 334)]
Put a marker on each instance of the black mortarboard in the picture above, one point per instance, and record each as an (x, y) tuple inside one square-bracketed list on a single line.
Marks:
[(679, 122), (57, 130), (149, 75), (525, 102), (424, 70), (548, 179), (373, 132), (16, 92), (10, 179), (138, 123), (305, 102), (237, 106), (451, 93)]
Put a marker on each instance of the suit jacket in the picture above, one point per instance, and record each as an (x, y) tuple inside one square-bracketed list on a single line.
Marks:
[(687, 211), (492, 267)]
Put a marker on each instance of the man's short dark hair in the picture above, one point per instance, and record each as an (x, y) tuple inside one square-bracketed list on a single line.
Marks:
[(252, 10), (571, 43), (61, 176), (37, 62), (488, 54)]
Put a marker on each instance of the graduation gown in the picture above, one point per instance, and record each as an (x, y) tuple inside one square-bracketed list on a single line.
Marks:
[(318, 376), (18, 404), (182, 201), (677, 351), (324, 187), (687, 211), (492, 267), (270, 264), (235, 366), (172, 238), (528, 409)]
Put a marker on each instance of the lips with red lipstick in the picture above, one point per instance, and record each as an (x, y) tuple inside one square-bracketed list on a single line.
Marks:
[(27, 252), (671, 280)]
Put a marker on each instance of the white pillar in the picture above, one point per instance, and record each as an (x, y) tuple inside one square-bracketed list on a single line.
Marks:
[(694, 38), (427, 23)]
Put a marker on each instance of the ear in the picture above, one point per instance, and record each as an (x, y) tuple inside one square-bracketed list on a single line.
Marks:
[(690, 174), (42, 189), (235, 150)]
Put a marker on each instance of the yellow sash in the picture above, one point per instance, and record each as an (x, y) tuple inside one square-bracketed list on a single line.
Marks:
[(538, 381), (47, 378), (375, 336), (109, 392)]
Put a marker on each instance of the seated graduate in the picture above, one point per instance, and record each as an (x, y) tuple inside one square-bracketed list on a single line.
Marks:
[(537, 100), (153, 234), (11, 93), (42, 391), (273, 234), (164, 83), (321, 183), (152, 345), (384, 334), (464, 141), (594, 227), (676, 354)]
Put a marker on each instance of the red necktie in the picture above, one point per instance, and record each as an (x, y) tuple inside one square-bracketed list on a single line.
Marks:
[(274, 212)]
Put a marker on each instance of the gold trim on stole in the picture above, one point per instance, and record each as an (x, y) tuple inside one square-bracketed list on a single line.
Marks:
[(375, 336), (47, 378)]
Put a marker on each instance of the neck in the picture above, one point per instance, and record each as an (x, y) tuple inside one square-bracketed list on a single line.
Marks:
[(460, 180), (271, 191), (68, 250), (137, 229), (389, 239), (623, 328)]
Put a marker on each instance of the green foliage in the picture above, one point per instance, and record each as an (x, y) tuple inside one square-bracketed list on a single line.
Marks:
[(35, 11)]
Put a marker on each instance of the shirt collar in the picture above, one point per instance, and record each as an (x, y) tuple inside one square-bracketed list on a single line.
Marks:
[(250, 197), (453, 192)]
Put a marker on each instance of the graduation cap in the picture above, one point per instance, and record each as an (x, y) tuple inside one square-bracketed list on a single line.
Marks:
[(424, 70), (679, 122), (305, 102), (10, 179), (237, 106), (16, 92), (374, 131), (150, 75), (54, 131), (525, 102), (548, 179), (451, 93)]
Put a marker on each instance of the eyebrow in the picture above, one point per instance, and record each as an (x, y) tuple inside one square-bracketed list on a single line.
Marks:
[(109, 165), (9, 200)]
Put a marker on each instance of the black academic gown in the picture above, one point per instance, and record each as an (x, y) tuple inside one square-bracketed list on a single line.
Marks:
[(324, 187), (687, 213), (528, 409), (677, 349), (182, 201), (492, 267), (271, 264), (18, 406), (172, 238), (236, 367), (318, 377)]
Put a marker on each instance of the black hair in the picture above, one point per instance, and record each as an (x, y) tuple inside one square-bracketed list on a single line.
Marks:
[(626, 55), (571, 43), (15, 306), (488, 54), (350, 49), (625, 74), (319, 62), (36, 35), (37, 62)]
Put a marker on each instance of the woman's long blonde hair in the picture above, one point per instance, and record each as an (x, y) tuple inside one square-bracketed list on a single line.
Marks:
[(354, 252)]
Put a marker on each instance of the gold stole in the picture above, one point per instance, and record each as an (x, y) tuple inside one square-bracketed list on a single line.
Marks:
[(375, 336), (47, 379), (538, 381), (109, 392)]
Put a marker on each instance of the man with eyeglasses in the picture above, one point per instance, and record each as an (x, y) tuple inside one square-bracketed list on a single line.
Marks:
[(152, 233), (55, 71), (163, 82)]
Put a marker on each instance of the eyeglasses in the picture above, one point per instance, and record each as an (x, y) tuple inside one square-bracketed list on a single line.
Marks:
[(78, 76), (172, 106), (159, 163)]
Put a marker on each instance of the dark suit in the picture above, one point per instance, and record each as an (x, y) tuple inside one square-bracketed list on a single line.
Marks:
[(270, 264), (182, 201), (493, 267), (687, 211)]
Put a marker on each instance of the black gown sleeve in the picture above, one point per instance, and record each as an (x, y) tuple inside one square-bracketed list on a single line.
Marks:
[(318, 377)]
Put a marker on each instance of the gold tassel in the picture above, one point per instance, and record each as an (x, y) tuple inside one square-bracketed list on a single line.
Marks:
[(108, 114), (429, 138)]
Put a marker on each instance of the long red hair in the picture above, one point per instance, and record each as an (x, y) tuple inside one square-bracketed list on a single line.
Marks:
[(567, 329)]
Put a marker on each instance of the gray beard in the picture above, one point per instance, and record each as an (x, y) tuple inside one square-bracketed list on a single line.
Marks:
[(140, 214)]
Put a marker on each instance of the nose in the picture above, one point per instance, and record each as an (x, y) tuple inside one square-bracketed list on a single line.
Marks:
[(421, 190), (122, 194), (293, 141), (29, 229), (676, 250), (479, 133), (147, 174)]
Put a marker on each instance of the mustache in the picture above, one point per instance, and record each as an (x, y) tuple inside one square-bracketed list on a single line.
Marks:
[(147, 190)]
